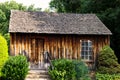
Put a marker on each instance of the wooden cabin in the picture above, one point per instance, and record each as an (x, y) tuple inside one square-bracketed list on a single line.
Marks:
[(62, 35)]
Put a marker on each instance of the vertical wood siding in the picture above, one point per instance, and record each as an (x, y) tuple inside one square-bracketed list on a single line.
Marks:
[(59, 46)]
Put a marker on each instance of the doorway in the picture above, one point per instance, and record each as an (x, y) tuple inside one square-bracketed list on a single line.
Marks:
[(37, 50)]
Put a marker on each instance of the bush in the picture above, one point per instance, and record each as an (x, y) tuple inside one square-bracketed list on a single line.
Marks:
[(107, 76), (7, 37), (107, 61), (82, 72), (3, 52), (16, 68), (63, 70)]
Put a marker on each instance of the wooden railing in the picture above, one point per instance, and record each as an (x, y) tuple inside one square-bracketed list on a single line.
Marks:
[(47, 59)]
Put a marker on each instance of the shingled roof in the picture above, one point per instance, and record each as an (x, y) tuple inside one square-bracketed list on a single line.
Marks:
[(56, 23)]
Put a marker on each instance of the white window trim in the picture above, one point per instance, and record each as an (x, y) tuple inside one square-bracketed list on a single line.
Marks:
[(87, 49)]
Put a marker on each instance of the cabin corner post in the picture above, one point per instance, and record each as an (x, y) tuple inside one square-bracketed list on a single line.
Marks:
[(14, 43), (109, 40), (11, 44)]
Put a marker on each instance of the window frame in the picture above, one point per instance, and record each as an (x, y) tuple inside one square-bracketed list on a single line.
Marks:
[(86, 51)]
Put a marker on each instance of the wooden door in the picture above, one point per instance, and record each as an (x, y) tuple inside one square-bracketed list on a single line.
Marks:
[(37, 47)]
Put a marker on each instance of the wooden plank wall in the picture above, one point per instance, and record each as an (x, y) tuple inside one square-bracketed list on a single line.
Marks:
[(59, 46)]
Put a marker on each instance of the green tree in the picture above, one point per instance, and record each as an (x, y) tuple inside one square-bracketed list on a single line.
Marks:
[(31, 8), (107, 62), (47, 10), (5, 14), (71, 6)]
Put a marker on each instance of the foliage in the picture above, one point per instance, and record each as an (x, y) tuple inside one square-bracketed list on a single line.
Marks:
[(65, 69), (3, 52), (5, 13), (31, 8), (71, 6), (107, 61), (5, 16), (81, 70), (107, 76), (7, 37), (16, 68), (47, 10)]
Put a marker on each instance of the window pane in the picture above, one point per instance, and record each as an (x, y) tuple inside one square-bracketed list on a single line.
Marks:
[(83, 48), (82, 53), (82, 57), (86, 53), (86, 44), (90, 48), (90, 52), (83, 43), (86, 57), (90, 57), (86, 48), (89, 43)]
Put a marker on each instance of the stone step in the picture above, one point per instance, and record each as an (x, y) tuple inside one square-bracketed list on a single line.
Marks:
[(38, 72), (39, 65), (38, 75)]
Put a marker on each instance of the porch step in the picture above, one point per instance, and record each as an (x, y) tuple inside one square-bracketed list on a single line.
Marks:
[(39, 74), (39, 66)]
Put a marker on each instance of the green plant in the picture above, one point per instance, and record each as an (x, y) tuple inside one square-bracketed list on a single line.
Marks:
[(107, 61), (64, 69), (82, 72), (16, 68), (107, 76), (7, 37), (3, 52)]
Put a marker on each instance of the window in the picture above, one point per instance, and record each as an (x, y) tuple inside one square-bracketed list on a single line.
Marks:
[(86, 50)]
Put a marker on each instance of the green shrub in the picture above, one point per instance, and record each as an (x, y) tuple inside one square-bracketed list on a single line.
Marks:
[(16, 68), (7, 37), (3, 52), (107, 76), (82, 72), (107, 61), (63, 70)]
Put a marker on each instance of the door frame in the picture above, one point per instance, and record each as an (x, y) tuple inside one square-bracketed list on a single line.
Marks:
[(35, 48)]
